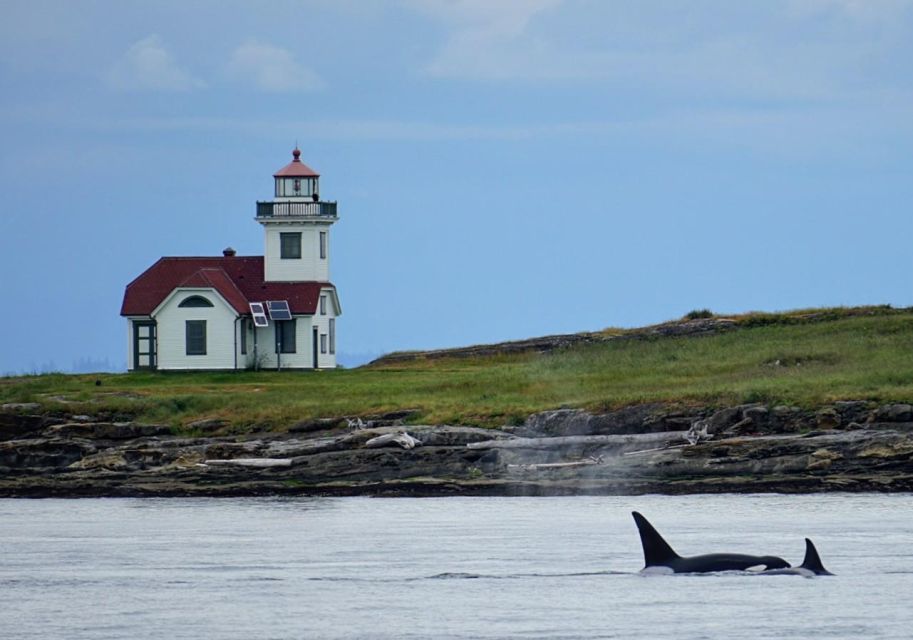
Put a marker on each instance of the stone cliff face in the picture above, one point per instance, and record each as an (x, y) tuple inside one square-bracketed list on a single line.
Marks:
[(847, 446)]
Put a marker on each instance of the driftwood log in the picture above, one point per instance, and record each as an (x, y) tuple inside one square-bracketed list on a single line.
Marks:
[(401, 439), (631, 441), (261, 463), (556, 465)]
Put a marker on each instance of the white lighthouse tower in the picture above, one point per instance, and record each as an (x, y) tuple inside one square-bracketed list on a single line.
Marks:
[(296, 266), (297, 226)]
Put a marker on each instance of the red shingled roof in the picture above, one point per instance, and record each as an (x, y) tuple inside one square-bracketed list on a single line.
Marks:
[(238, 279), (296, 168)]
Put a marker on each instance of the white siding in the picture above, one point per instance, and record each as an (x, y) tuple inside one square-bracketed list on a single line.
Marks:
[(322, 322), (246, 360), (304, 346), (220, 332), (266, 347), (310, 267), (223, 337)]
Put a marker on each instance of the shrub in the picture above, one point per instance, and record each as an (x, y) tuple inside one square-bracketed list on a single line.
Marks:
[(697, 314)]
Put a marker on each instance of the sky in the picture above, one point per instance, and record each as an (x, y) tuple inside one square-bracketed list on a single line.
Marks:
[(504, 169)]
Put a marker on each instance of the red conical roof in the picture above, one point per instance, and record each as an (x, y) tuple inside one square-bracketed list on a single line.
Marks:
[(296, 168)]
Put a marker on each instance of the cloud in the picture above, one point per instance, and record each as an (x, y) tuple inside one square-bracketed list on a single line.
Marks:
[(149, 66), (783, 132), (503, 16), (793, 50), (867, 11), (271, 68), (488, 40)]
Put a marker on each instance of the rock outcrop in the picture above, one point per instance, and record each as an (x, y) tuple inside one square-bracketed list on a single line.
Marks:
[(846, 446), (544, 344)]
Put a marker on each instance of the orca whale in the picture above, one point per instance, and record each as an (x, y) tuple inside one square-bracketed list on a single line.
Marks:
[(660, 557)]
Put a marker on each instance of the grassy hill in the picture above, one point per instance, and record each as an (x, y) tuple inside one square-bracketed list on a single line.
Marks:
[(804, 358)]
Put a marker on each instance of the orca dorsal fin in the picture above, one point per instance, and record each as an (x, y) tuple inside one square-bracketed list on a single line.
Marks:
[(812, 560), (657, 551)]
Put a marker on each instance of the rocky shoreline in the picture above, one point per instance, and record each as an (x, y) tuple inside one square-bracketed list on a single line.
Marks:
[(846, 446)]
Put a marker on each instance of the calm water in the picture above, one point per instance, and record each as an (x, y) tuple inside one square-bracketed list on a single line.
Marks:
[(447, 568)]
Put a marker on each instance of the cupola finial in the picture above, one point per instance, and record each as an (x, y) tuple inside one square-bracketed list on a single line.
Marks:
[(296, 154)]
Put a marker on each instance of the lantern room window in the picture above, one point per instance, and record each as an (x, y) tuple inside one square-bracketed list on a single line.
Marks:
[(295, 187)]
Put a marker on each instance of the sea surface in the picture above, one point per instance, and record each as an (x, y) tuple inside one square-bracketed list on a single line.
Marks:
[(447, 568)]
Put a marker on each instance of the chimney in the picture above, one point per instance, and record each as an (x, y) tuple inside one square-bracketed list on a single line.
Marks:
[(228, 252)]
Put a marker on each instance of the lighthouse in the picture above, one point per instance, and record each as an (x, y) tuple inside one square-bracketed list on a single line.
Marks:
[(275, 311)]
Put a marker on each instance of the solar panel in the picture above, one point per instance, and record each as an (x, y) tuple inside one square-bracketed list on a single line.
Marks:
[(256, 310), (278, 310)]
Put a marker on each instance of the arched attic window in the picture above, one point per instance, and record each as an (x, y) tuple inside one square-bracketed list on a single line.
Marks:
[(195, 301)]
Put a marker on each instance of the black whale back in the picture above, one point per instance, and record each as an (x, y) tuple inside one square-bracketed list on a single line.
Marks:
[(658, 553)]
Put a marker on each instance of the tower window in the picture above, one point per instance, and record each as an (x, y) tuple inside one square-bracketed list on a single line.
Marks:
[(290, 246), (323, 244), (195, 337), (323, 343), (323, 305), (332, 335)]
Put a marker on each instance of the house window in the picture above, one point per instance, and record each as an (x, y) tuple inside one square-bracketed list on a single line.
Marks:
[(244, 330), (285, 336), (332, 335), (323, 244), (195, 301), (323, 305), (195, 335), (290, 246), (323, 343)]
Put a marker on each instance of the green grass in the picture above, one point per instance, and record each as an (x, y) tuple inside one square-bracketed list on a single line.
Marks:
[(773, 358)]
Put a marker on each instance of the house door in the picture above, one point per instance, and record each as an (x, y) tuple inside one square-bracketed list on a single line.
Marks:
[(315, 347), (144, 345)]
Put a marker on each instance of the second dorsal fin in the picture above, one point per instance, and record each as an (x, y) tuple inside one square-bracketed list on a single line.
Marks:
[(812, 560)]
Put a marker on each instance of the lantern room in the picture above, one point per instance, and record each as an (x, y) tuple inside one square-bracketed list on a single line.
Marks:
[(297, 180)]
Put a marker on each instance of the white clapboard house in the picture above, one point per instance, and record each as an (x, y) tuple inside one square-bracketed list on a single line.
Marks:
[(276, 311)]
